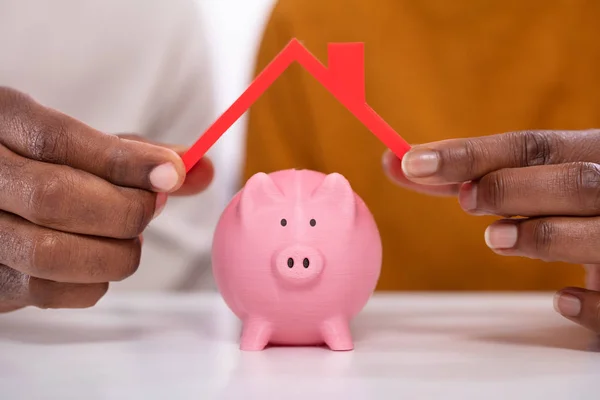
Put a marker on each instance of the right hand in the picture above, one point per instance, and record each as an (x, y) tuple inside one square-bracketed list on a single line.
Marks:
[(73, 204)]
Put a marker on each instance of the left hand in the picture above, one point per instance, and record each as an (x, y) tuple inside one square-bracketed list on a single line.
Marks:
[(550, 178)]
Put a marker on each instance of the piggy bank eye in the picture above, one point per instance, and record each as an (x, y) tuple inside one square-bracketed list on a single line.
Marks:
[(283, 222), (313, 222)]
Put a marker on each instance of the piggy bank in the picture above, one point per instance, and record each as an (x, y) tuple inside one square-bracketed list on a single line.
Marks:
[(296, 255)]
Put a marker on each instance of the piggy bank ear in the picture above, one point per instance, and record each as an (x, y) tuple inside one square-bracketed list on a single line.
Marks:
[(335, 190), (260, 191)]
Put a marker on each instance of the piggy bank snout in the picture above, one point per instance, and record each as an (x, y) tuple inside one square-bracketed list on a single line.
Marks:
[(299, 263)]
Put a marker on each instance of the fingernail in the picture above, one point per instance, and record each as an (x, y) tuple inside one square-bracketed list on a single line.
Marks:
[(420, 163), (501, 236), (567, 305), (164, 177), (161, 201)]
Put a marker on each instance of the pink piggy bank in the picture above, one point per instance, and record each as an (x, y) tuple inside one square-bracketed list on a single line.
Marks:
[(296, 255)]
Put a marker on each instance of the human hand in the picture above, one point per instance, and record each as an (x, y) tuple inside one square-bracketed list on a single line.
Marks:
[(73, 204), (550, 180)]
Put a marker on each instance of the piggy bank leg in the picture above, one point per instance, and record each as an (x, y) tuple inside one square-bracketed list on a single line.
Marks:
[(255, 334), (336, 334)]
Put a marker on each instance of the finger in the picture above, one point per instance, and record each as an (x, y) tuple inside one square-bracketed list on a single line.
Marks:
[(579, 305), (18, 290), (392, 166), (197, 179), (71, 200), (570, 240), (43, 134), (592, 276), (179, 149), (571, 189), (64, 257), (462, 160)]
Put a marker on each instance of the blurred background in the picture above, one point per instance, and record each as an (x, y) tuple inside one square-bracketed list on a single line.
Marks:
[(433, 70)]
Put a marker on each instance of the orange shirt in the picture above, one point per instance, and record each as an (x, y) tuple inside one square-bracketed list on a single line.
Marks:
[(434, 70)]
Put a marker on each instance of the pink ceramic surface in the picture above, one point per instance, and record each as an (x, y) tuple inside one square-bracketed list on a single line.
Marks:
[(296, 255)]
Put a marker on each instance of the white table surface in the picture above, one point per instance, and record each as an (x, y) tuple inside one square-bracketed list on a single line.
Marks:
[(414, 346)]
